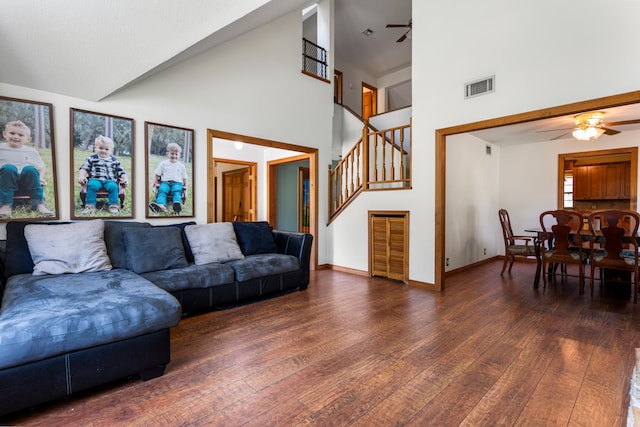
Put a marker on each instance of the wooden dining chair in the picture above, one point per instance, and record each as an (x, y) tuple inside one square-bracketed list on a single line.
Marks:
[(514, 246), (614, 244), (562, 243)]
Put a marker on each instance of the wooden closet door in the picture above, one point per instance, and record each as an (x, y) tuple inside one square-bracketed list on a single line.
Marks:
[(396, 246), (379, 246), (388, 245)]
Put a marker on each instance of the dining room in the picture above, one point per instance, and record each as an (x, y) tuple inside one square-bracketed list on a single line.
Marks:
[(526, 172)]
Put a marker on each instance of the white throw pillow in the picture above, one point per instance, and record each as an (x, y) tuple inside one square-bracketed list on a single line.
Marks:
[(215, 242), (67, 248)]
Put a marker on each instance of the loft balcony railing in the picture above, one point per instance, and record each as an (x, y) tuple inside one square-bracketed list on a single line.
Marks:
[(380, 160), (314, 59)]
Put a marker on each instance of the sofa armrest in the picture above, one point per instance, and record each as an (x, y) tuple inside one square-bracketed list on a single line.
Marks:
[(298, 245)]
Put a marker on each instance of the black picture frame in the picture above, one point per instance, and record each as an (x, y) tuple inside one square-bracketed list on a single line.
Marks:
[(39, 201), (157, 139), (86, 128)]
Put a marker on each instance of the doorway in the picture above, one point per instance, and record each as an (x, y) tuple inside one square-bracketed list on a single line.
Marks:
[(263, 146), (237, 186), (440, 157), (369, 101), (337, 86), (289, 197)]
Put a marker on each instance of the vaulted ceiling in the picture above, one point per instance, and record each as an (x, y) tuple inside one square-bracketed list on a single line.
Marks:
[(91, 49)]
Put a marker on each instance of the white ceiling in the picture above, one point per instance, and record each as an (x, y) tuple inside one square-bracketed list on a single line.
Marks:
[(91, 49), (379, 53), (546, 129)]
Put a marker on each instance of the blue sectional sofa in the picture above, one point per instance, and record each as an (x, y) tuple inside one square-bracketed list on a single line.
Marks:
[(72, 318)]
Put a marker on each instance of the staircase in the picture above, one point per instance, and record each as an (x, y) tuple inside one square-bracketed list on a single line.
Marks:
[(379, 160)]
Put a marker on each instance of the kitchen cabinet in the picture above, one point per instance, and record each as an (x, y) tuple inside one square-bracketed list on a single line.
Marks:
[(609, 181)]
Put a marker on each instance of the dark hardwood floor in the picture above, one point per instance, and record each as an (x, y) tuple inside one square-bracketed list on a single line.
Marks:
[(351, 350)]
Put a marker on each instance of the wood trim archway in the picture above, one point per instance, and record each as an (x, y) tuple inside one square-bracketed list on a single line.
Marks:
[(310, 153), (440, 156)]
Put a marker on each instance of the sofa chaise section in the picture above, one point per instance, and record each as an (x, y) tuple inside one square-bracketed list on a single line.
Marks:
[(60, 334)]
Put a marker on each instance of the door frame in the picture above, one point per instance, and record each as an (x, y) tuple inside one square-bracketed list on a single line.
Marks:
[(441, 157), (374, 100), (312, 154)]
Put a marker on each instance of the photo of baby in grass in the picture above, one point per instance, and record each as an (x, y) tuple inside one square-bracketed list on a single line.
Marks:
[(27, 161), (169, 167), (102, 175)]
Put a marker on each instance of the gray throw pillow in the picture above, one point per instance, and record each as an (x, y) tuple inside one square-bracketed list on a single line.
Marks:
[(153, 248), (67, 248), (214, 242)]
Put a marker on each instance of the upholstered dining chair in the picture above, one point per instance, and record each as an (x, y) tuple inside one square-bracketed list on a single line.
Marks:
[(614, 244), (561, 243), (514, 246)]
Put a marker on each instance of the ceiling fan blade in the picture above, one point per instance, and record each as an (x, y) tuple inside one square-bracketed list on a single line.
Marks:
[(397, 25), (608, 131), (553, 130), (401, 39), (560, 136), (623, 122)]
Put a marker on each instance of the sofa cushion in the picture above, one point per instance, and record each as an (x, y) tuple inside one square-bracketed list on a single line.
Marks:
[(153, 248), (262, 265), (185, 241), (67, 248), (255, 237), (17, 259), (192, 277), (215, 242), (115, 244), (44, 316)]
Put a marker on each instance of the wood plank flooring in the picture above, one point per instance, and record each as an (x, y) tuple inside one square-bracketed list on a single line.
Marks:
[(352, 350)]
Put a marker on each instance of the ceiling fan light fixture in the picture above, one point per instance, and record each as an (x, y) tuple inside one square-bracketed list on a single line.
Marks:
[(588, 126), (588, 133)]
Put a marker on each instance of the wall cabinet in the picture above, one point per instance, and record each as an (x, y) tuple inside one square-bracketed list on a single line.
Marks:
[(610, 181), (388, 245)]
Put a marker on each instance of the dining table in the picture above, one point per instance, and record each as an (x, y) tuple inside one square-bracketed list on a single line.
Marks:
[(539, 235)]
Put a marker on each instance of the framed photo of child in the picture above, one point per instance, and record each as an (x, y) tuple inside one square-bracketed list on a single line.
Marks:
[(169, 168), (101, 165), (27, 161)]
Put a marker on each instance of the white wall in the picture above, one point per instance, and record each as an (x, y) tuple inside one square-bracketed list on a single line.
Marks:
[(473, 180), (352, 79), (394, 83), (251, 85)]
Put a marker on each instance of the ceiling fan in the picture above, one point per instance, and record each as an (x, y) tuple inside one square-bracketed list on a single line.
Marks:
[(406, 35), (590, 126)]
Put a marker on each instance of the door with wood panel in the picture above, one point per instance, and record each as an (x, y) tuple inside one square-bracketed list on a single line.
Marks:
[(388, 245), (369, 101), (236, 199)]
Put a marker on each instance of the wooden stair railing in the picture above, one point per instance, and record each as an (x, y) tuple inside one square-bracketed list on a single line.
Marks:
[(389, 160), (345, 181), (380, 160)]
